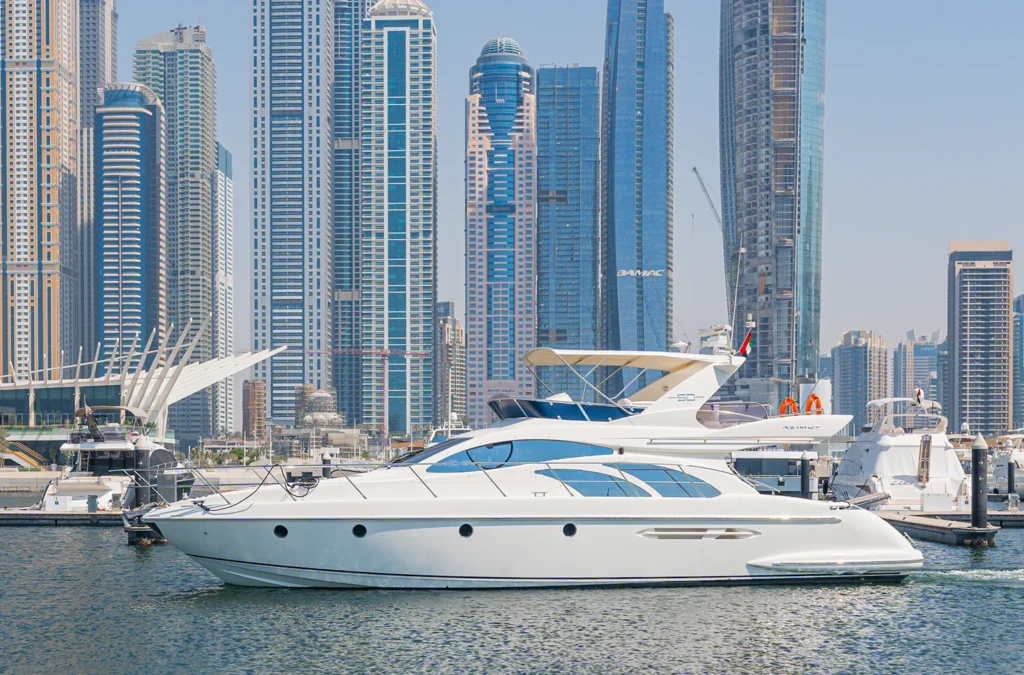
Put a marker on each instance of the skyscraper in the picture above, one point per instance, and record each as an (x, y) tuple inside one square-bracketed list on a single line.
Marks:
[(178, 65), (501, 180), (97, 65), (38, 183), (293, 75), (772, 103), (450, 349), (636, 183), (1018, 362), (131, 233), (398, 117), (861, 374), (349, 18), (915, 366), (222, 197), (568, 207), (979, 319)]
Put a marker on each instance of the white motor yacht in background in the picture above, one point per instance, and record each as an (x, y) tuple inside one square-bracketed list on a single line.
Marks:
[(556, 493), (1009, 448), (905, 460), (117, 464)]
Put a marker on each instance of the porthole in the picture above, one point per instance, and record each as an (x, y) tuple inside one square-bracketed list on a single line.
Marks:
[(622, 451), (466, 530), (359, 531), (569, 530), (280, 531)]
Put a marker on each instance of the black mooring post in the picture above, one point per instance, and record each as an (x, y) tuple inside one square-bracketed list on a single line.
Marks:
[(979, 482), (326, 470), (805, 476), (1011, 475)]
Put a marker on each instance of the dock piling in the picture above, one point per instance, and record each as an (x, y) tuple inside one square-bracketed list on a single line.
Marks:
[(1011, 475), (979, 482)]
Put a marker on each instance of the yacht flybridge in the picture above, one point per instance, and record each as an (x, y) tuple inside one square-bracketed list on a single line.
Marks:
[(556, 493)]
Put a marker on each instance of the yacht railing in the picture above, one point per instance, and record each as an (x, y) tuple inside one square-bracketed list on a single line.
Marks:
[(297, 487)]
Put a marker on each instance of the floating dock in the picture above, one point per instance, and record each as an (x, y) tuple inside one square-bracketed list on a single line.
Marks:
[(19, 518), (949, 528)]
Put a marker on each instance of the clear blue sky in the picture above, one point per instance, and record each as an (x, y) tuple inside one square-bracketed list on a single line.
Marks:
[(923, 138)]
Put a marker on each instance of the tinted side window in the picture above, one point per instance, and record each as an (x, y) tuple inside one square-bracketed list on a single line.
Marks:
[(457, 463), (594, 484), (549, 451), (491, 456), (669, 482)]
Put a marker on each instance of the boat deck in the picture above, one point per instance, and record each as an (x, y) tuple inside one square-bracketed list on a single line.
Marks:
[(949, 528), (18, 518)]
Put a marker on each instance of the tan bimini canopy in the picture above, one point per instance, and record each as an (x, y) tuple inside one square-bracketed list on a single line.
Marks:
[(676, 366)]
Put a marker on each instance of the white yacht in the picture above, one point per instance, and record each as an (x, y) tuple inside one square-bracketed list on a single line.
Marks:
[(556, 493), (905, 460), (117, 465), (1009, 449)]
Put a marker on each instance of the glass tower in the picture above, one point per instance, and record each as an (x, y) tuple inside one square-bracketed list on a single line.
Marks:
[(293, 80), (500, 226), (131, 234), (772, 103), (97, 67), (636, 179), (349, 17), (398, 207), (178, 66), (568, 172), (38, 183), (223, 199)]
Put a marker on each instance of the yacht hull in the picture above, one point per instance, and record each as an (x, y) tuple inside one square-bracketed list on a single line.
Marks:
[(523, 552)]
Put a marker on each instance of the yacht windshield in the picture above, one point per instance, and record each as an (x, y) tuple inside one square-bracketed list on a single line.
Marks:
[(426, 453)]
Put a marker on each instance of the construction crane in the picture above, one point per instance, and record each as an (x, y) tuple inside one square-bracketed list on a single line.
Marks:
[(383, 354), (730, 302), (711, 202)]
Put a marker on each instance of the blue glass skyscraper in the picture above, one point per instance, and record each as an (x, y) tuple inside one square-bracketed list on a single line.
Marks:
[(568, 172), (349, 16), (293, 225), (636, 179), (501, 202), (131, 233), (772, 103), (398, 202)]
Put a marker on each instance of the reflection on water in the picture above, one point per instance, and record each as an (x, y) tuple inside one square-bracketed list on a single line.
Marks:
[(71, 596)]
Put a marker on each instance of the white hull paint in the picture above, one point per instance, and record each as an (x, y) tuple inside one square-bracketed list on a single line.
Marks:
[(821, 544)]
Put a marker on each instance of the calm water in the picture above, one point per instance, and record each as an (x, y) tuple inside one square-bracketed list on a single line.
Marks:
[(151, 610)]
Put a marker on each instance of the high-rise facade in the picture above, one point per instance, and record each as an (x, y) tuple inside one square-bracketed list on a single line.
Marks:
[(349, 18), (178, 65), (1018, 362), (979, 319), (450, 365), (568, 212), (39, 273), (131, 228), (915, 365), (97, 66), (501, 198), (861, 374), (222, 199), (398, 199), (636, 184), (293, 76), (772, 108), (254, 408)]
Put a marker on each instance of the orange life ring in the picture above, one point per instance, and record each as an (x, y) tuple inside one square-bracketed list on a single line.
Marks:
[(789, 406), (814, 401)]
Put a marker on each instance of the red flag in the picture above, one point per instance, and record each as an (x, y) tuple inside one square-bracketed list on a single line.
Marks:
[(745, 347)]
